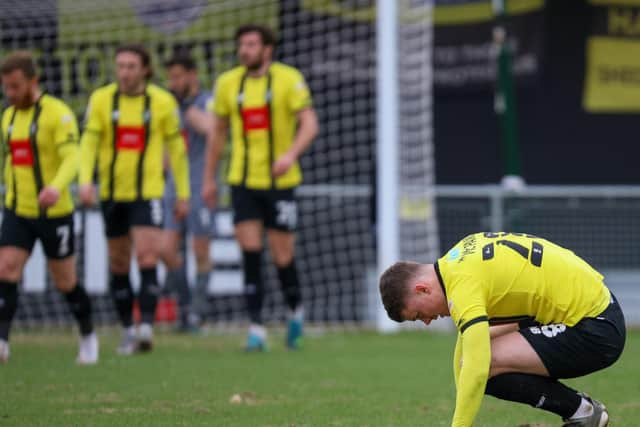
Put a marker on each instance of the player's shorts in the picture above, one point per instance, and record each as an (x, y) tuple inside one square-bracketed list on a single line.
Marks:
[(56, 234), (277, 209), (590, 345), (119, 217), (199, 221)]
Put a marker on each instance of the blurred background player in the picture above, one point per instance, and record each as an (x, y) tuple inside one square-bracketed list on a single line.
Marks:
[(183, 81), (128, 124), (40, 136), (267, 107)]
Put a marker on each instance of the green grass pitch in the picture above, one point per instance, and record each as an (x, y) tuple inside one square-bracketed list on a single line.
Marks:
[(339, 379)]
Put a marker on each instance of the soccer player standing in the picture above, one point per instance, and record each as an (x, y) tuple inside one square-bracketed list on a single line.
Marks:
[(40, 138), (267, 108), (551, 315), (127, 125), (183, 81)]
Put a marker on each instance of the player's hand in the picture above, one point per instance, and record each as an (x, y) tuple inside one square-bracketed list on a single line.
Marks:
[(181, 209), (283, 164), (208, 193), (191, 115), (87, 193), (48, 197)]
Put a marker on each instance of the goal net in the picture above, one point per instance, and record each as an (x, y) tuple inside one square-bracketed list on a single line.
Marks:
[(333, 43)]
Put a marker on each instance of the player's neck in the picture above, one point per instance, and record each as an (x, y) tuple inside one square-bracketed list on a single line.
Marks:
[(194, 90), (260, 71), (35, 97), (135, 91)]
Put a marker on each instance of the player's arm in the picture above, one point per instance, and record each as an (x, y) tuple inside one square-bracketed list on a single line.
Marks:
[(220, 112), (89, 151), (216, 140), (66, 141), (199, 120), (474, 372), (177, 152), (307, 131), (299, 101), (457, 360)]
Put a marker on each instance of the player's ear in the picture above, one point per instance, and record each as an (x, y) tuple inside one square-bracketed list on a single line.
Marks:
[(421, 288)]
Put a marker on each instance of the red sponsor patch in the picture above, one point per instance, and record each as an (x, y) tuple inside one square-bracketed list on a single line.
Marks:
[(130, 138), (21, 153), (256, 118), (185, 136)]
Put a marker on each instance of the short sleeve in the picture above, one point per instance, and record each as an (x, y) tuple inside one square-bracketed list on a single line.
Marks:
[(220, 104), (66, 126), (299, 96)]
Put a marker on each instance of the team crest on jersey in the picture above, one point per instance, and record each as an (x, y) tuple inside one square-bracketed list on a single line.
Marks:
[(168, 16), (454, 254)]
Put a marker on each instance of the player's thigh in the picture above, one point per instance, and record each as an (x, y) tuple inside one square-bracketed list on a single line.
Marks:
[(281, 210), (511, 352), (569, 352), (115, 216), (199, 225), (17, 237), (247, 207), (64, 273), (199, 221), (12, 262), (146, 241), (499, 330), (249, 235), (147, 213), (119, 254), (57, 236), (281, 246)]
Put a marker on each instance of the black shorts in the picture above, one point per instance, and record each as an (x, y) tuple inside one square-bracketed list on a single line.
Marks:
[(277, 209), (119, 217), (56, 234), (590, 345)]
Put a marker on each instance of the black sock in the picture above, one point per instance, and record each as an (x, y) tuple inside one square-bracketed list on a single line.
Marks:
[(80, 306), (122, 295), (290, 284), (8, 306), (254, 294), (148, 296), (535, 390)]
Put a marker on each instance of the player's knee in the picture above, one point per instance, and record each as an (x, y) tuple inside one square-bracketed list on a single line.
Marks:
[(10, 269), (282, 258), (147, 258), (202, 258), (65, 284), (65, 279), (119, 264)]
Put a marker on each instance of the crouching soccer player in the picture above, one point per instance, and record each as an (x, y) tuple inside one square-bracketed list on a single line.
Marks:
[(557, 320), (40, 134)]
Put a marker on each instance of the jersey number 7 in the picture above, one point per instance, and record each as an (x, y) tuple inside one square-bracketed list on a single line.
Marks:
[(537, 250)]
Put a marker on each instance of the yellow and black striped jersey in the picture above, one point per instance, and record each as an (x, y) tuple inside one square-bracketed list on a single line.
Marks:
[(263, 121), (41, 149), (128, 135)]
